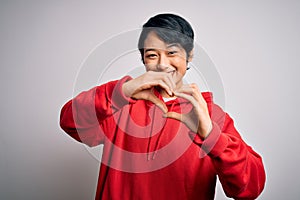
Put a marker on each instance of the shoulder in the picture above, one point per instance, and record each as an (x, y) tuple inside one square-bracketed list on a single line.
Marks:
[(208, 96)]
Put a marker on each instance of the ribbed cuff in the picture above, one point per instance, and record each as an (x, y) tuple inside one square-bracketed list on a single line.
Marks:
[(118, 98), (214, 144)]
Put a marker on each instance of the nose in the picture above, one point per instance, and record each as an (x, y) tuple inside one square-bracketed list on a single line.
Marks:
[(163, 63)]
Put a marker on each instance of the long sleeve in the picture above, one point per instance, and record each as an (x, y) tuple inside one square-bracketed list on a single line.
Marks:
[(239, 168), (81, 117)]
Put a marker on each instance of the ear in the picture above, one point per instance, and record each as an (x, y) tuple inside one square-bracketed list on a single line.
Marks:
[(191, 55)]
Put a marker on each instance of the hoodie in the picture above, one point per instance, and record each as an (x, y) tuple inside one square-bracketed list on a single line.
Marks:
[(146, 156)]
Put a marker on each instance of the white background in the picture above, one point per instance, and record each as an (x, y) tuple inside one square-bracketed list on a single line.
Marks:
[(253, 44)]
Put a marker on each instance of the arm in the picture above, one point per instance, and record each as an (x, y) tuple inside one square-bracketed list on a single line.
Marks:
[(81, 116), (239, 168)]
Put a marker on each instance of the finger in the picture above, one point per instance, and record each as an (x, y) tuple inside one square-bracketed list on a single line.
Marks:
[(168, 80), (182, 117), (150, 84), (173, 115), (185, 88), (163, 85), (187, 97), (192, 90), (164, 77), (171, 81), (160, 104), (189, 89)]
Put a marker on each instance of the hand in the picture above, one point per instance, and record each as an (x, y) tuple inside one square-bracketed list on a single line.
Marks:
[(198, 119), (142, 87)]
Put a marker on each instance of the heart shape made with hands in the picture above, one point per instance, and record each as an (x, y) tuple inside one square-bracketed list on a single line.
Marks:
[(197, 119)]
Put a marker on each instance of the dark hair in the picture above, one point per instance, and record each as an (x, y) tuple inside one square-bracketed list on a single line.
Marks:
[(170, 28)]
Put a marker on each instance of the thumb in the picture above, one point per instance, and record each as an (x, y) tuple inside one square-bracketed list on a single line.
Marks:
[(150, 96), (173, 115)]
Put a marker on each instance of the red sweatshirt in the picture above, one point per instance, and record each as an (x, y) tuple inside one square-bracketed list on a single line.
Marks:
[(146, 156)]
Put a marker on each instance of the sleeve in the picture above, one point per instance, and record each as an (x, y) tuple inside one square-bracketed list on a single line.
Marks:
[(81, 117), (239, 168)]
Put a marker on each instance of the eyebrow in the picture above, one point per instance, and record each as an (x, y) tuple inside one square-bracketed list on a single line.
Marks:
[(168, 46), (151, 49)]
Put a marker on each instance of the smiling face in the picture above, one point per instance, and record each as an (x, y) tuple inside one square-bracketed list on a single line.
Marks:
[(162, 57)]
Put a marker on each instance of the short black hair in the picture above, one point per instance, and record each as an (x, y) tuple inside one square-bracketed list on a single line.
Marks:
[(170, 28)]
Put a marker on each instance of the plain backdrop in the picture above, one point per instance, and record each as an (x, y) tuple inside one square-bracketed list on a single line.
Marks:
[(253, 44)]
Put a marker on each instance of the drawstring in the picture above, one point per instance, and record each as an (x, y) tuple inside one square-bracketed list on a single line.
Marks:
[(150, 135), (157, 143)]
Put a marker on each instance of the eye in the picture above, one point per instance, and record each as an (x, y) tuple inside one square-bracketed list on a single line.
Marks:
[(152, 55), (172, 53)]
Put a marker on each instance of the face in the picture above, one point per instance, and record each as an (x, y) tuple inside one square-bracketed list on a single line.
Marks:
[(162, 57)]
